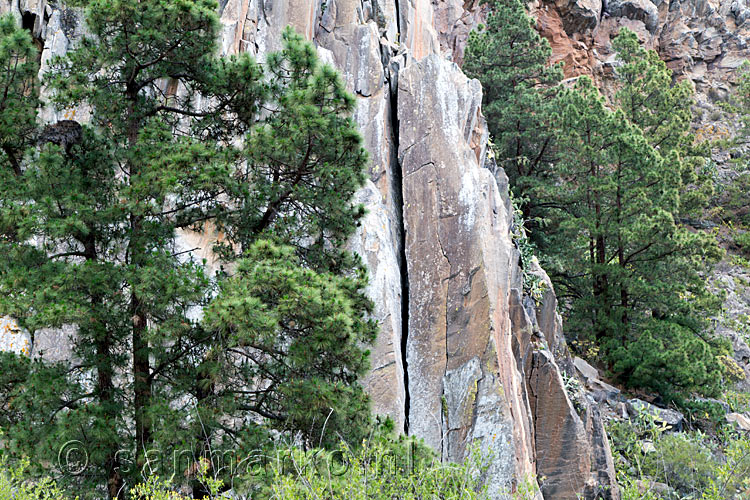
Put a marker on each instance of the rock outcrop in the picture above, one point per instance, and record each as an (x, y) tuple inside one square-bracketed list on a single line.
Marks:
[(463, 383), (13, 338)]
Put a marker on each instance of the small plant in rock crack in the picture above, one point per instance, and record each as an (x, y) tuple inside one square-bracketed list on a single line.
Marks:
[(574, 389), (533, 284)]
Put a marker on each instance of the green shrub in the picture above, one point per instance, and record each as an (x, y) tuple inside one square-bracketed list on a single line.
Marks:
[(376, 471), (738, 401), (685, 464), (732, 478), (742, 240), (386, 466), (706, 411), (630, 490), (693, 464), (15, 486)]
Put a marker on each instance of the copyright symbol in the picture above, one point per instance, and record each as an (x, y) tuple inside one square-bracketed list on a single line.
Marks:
[(72, 458)]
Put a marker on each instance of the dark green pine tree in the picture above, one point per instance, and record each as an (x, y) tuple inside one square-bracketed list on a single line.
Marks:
[(297, 333), (18, 92), (511, 60), (663, 111), (733, 198), (89, 238), (628, 270)]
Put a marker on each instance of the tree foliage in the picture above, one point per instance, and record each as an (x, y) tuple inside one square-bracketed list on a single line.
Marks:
[(629, 270), (95, 234), (511, 60), (18, 91), (611, 182), (662, 110), (297, 333)]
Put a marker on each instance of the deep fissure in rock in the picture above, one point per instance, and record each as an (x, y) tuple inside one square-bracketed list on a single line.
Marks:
[(28, 22), (398, 194), (398, 31)]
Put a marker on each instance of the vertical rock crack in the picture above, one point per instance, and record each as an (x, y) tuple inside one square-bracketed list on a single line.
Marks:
[(403, 263)]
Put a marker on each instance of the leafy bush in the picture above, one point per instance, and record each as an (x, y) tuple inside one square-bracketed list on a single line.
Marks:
[(693, 465), (685, 464), (14, 486), (742, 240), (385, 467), (704, 411), (373, 472), (738, 401), (732, 478)]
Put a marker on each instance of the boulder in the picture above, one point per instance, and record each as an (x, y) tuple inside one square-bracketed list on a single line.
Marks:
[(673, 419), (588, 372), (648, 487), (740, 420), (601, 391), (579, 15)]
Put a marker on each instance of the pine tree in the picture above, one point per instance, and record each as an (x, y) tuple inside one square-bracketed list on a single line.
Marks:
[(733, 199), (663, 111), (297, 331), (629, 271), (511, 60), (18, 100), (90, 239)]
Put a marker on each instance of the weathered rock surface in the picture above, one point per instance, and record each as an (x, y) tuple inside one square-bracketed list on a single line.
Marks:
[(740, 420), (459, 256), (672, 419), (638, 10), (563, 457), (579, 15), (13, 338), (385, 382), (572, 450)]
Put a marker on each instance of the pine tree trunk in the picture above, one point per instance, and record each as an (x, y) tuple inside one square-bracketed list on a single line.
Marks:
[(621, 255), (104, 382), (141, 350)]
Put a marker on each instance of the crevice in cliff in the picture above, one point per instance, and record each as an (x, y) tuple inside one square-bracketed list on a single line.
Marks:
[(445, 431), (398, 196), (398, 20), (29, 21)]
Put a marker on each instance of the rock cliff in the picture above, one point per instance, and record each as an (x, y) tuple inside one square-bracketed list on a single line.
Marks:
[(464, 355)]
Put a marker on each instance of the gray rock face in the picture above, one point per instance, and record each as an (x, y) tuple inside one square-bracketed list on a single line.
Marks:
[(459, 257), (579, 15), (13, 338), (385, 382), (673, 419), (639, 10)]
